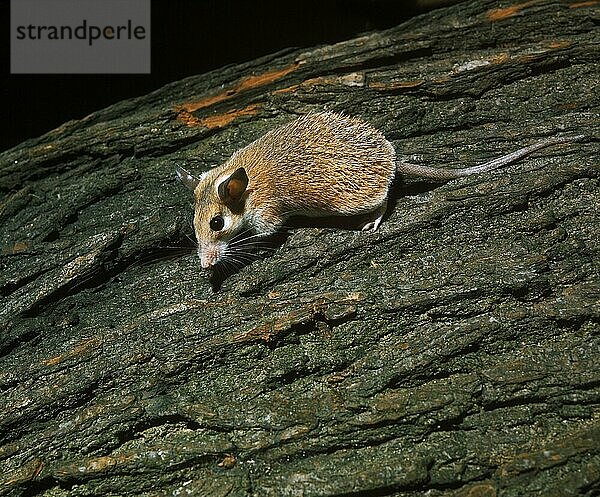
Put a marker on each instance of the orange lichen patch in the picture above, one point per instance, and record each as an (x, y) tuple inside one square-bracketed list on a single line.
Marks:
[(350, 79), (244, 84), (528, 58), (337, 377), (27, 472), (303, 315), (577, 5), (477, 490), (270, 329), (264, 78), (79, 350), (442, 80), (15, 248), (94, 465), (19, 247), (220, 120), (288, 89), (569, 106), (396, 85), (501, 58), (557, 45), (322, 80), (188, 119), (102, 463), (227, 462), (501, 14), (207, 101), (53, 361)]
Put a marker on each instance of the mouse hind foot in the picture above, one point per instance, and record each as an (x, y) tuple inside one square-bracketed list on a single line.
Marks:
[(375, 218)]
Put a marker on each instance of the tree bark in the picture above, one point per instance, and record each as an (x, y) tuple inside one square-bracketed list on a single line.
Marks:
[(455, 351)]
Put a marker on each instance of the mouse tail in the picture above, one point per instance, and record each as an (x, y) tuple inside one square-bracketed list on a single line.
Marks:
[(443, 174)]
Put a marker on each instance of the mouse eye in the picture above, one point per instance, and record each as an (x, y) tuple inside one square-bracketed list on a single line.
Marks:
[(217, 223)]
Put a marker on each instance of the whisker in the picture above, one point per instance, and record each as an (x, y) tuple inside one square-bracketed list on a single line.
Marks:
[(257, 244), (253, 255), (169, 247), (194, 242), (247, 230), (238, 239), (249, 248), (242, 257), (146, 261), (246, 241), (226, 267), (235, 258)]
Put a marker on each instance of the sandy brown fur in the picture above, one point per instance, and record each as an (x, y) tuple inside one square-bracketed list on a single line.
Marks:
[(313, 166), (320, 164)]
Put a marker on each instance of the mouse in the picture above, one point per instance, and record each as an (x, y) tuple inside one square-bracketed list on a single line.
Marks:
[(318, 165)]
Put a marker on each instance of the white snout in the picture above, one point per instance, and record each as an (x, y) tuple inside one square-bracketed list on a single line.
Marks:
[(210, 253)]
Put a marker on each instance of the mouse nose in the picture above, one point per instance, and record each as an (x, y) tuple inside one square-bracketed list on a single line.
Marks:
[(208, 256), (204, 260)]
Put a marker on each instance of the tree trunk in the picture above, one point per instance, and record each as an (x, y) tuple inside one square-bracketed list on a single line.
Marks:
[(455, 351)]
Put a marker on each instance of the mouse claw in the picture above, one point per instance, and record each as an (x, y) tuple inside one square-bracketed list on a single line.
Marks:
[(376, 216)]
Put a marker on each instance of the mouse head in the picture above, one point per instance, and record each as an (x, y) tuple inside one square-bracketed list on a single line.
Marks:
[(219, 208)]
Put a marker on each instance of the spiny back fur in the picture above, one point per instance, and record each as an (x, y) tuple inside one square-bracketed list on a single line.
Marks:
[(320, 164)]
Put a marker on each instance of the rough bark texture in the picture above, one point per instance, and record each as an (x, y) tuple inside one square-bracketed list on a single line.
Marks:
[(453, 352)]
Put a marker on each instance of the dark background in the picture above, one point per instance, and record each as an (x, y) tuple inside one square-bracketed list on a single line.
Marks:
[(188, 37)]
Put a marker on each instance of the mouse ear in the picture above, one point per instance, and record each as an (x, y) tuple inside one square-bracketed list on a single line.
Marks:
[(232, 189), (186, 178)]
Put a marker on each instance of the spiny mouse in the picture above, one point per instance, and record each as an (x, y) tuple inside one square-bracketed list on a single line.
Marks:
[(321, 164)]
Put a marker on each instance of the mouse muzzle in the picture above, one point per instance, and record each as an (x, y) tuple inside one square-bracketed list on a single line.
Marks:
[(211, 253)]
